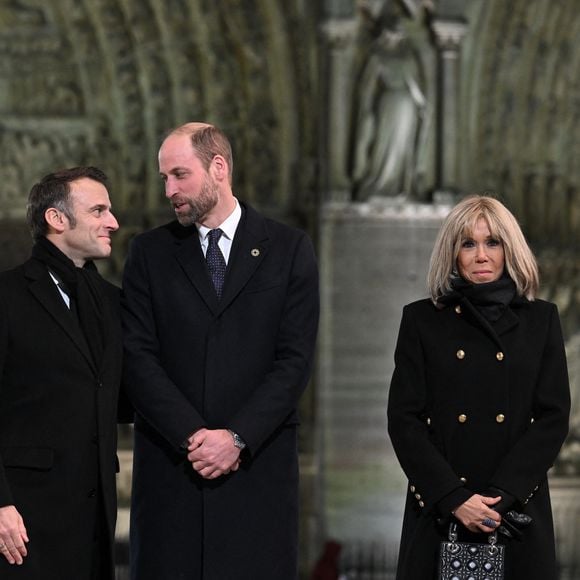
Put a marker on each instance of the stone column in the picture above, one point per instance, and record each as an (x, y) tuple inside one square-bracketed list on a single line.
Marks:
[(565, 496), (338, 35), (373, 257), (448, 36)]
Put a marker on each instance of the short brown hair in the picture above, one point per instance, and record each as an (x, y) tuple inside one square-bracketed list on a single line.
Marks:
[(208, 141)]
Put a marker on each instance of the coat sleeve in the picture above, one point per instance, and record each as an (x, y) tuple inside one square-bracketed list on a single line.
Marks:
[(529, 460), (277, 395), (153, 394), (5, 493), (427, 470)]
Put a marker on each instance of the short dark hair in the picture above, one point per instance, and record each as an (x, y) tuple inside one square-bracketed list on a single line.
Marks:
[(53, 190)]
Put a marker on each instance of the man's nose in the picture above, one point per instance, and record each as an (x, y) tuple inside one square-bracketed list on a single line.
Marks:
[(170, 189), (112, 224)]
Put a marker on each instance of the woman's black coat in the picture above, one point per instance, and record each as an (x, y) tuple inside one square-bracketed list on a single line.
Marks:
[(471, 406)]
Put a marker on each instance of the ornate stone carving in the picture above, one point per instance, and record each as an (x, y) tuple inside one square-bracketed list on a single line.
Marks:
[(28, 151), (390, 106)]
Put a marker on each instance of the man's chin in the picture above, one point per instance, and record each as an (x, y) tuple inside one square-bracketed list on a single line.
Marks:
[(186, 220), (104, 253)]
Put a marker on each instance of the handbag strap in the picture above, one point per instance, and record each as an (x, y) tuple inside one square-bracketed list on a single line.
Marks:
[(453, 532), (492, 538)]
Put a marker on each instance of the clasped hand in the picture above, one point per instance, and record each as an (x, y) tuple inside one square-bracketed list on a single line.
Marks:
[(478, 511), (13, 535), (212, 453), (483, 513)]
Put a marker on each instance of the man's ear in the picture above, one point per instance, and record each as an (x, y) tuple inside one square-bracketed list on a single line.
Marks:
[(220, 168), (56, 219)]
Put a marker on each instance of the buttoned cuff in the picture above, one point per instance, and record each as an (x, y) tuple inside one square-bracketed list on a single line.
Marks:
[(453, 500)]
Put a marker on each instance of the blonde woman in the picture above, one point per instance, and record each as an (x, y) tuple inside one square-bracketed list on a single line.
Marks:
[(479, 400)]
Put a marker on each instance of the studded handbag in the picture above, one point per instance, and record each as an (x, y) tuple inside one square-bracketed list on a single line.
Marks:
[(471, 561)]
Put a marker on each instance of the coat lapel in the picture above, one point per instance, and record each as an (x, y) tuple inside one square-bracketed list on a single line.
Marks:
[(250, 247), (45, 291), (507, 321), (192, 261)]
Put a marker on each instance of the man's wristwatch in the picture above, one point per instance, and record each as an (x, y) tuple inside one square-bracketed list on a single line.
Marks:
[(238, 441)]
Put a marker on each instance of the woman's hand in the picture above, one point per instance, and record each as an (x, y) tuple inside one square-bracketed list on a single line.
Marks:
[(477, 510)]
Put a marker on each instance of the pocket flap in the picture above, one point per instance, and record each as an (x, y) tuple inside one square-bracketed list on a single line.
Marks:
[(40, 458)]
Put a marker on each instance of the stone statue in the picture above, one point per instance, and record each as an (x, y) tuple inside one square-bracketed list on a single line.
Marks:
[(389, 106)]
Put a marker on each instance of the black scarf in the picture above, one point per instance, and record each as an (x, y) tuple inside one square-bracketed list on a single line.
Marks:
[(84, 287), (490, 298)]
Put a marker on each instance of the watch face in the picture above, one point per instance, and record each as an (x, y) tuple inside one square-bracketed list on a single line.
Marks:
[(238, 441)]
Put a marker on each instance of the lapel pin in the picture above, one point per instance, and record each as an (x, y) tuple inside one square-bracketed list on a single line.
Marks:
[(255, 252)]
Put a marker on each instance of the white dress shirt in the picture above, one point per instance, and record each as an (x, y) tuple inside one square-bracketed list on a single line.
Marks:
[(228, 227)]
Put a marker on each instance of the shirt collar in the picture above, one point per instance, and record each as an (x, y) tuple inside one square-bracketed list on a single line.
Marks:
[(228, 226)]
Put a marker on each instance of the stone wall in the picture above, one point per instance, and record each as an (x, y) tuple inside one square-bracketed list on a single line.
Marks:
[(374, 260)]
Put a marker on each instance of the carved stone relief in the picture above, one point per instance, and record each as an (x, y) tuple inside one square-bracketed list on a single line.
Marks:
[(390, 106), (28, 151), (133, 70)]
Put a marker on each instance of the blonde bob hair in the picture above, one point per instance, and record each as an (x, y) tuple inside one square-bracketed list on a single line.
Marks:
[(520, 263)]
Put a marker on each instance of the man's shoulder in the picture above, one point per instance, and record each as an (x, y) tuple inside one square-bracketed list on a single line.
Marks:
[(16, 274), (165, 233), (111, 289), (274, 228), (15, 281)]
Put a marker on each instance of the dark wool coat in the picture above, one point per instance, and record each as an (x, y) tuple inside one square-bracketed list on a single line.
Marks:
[(240, 363), (471, 406), (58, 426)]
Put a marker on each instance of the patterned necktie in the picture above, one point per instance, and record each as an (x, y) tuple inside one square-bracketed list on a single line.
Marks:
[(215, 261)]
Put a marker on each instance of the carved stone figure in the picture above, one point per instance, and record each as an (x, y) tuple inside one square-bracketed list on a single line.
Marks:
[(389, 107)]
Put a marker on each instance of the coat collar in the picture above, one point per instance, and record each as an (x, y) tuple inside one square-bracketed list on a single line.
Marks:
[(506, 322), (250, 246), (46, 293)]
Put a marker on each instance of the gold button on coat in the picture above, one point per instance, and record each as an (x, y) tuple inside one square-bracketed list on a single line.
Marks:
[(417, 496), (460, 354), (458, 309), (499, 355), (412, 488), (422, 504), (500, 418), (462, 418), (463, 479)]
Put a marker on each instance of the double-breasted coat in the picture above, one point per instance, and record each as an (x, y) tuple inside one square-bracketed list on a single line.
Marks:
[(239, 363), (474, 405), (58, 435)]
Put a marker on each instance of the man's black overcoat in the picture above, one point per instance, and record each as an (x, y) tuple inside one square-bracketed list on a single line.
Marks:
[(473, 406), (240, 363), (58, 434)]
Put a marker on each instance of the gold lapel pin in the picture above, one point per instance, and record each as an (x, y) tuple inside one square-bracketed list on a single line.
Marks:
[(255, 252)]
